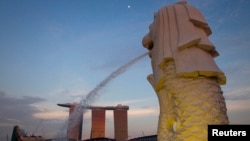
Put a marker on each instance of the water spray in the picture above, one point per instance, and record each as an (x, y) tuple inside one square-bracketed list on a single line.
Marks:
[(86, 101)]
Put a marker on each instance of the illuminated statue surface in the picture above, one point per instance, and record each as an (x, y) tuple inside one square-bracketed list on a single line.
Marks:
[(185, 76)]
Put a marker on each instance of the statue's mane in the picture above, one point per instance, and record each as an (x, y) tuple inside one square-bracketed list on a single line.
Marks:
[(179, 26), (179, 32)]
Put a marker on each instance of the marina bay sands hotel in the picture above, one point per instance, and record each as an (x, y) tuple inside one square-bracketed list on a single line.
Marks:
[(98, 122)]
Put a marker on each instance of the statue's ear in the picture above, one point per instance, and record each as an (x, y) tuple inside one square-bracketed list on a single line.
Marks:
[(155, 15)]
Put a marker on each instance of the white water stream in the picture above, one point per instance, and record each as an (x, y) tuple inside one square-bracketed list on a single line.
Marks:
[(90, 98)]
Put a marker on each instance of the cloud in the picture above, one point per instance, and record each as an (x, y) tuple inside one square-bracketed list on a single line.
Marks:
[(237, 105), (70, 94), (17, 109), (51, 115), (129, 102), (244, 117), (143, 112), (241, 93), (238, 111), (22, 111), (135, 112)]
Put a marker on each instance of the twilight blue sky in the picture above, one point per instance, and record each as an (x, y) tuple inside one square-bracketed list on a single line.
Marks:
[(56, 51)]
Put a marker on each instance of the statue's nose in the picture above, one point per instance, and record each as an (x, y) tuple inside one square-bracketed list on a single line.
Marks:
[(147, 42)]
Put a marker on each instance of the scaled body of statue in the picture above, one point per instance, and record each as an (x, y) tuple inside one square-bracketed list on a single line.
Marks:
[(185, 76)]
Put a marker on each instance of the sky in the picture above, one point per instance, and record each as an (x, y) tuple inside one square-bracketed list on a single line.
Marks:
[(57, 51)]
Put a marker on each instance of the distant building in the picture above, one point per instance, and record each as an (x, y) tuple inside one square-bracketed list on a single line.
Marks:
[(98, 121), (19, 134), (145, 138), (100, 139)]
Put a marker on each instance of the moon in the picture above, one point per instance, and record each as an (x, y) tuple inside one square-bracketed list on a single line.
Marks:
[(129, 6)]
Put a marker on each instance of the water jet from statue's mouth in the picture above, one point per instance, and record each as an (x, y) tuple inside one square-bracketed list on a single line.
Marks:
[(91, 96)]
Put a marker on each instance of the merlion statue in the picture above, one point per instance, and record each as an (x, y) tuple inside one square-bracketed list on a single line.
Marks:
[(185, 76)]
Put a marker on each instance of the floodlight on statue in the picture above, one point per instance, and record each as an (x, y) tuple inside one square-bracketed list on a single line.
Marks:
[(185, 76)]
